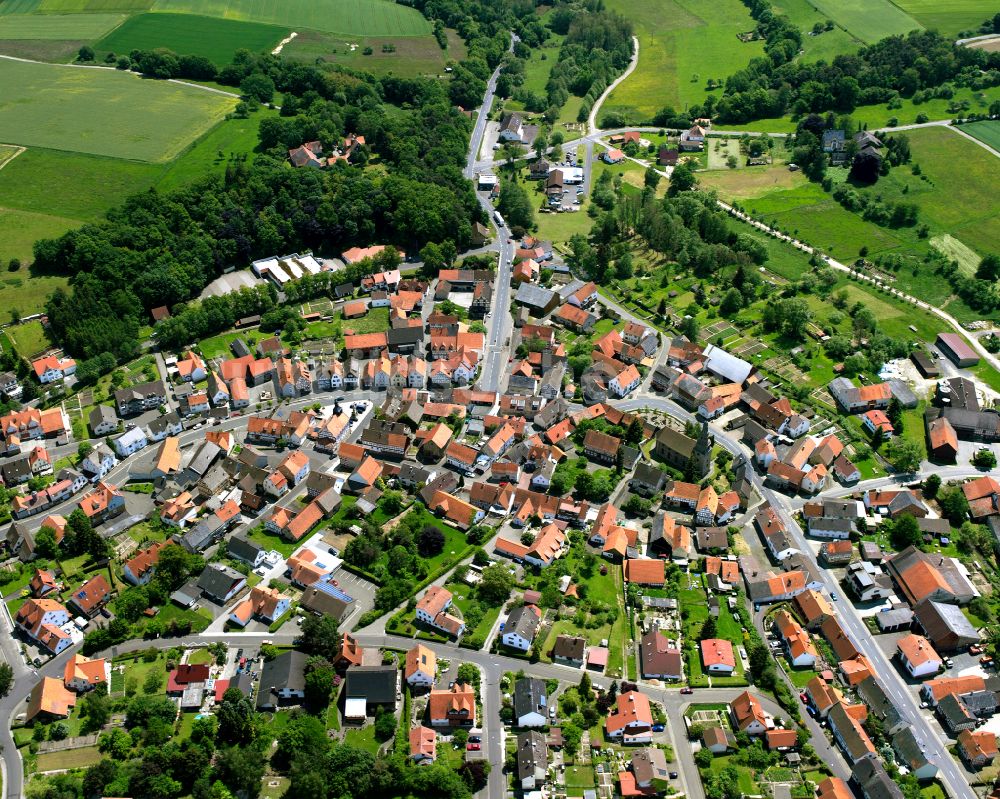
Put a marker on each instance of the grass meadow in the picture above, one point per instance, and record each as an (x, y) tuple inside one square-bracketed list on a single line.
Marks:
[(951, 17), (867, 20), (214, 38), (828, 44), (679, 42), (987, 132), (103, 111), (959, 206), (403, 55), (350, 17), (57, 26)]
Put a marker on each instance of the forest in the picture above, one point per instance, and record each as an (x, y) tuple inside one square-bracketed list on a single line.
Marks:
[(162, 249), (922, 64)]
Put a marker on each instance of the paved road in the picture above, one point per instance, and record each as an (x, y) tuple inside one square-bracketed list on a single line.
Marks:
[(499, 324), (632, 64)]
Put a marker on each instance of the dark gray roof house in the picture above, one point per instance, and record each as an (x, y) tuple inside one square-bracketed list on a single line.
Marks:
[(220, 582), (282, 680), (871, 693), (244, 549), (872, 780), (377, 685), (529, 697)]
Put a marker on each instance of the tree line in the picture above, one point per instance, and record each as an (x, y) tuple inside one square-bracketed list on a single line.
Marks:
[(163, 248), (911, 66)]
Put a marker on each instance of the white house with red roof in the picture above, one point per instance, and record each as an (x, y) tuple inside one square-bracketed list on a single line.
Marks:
[(50, 368)]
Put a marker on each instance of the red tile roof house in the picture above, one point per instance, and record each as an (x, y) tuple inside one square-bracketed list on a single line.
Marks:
[(432, 610), (139, 570), (90, 597), (454, 707), (749, 716), (717, 656), (632, 720)]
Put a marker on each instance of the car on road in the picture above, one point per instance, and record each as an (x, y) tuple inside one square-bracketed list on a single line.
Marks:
[(687, 690), (500, 629), (834, 597)]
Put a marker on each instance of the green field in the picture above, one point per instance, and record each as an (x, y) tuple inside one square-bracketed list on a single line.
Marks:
[(405, 55), (351, 17), (189, 34), (949, 17), (71, 185), (959, 203), (52, 26), (987, 132), (828, 44), (868, 20), (69, 758), (103, 111), (90, 6), (681, 45), (29, 339)]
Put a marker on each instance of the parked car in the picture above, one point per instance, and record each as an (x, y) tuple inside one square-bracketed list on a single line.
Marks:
[(473, 747), (986, 660), (804, 697), (687, 690), (658, 728), (975, 649), (673, 775)]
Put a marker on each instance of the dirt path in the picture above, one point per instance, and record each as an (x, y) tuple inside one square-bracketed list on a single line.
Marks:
[(18, 151)]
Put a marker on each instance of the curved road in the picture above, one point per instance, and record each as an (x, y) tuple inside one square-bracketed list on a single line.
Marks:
[(632, 64)]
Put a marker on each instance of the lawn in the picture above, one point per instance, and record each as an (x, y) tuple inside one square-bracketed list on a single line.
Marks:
[(462, 598), (363, 738), (868, 20), (68, 758), (402, 55), (375, 321), (189, 34), (987, 131), (579, 777), (272, 541), (218, 346), (746, 782), (745, 183), (29, 338), (19, 230), (679, 40), (52, 26), (94, 111), (349, 17)]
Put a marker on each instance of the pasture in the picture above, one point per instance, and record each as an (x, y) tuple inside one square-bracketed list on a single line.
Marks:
[(749, 182), (188, 34), (405, 55), (103, 111), (951, 17), (71, 185), (987, 132), (349, 17), (679, 41), (958, 205), (57, 26), (826, 45), (867, 20)]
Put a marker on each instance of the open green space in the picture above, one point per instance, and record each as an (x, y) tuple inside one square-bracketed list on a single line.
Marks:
[(987, 131), (826, 45), (68, 758), (189, 34), (868, 20), (357, 17), (19, 230), (747, 784), (681, 45), (98, 111), (959, 203), (951, 17), (89, 6), (52, 26), (72, 185), (362, 738), (29, 338), (400, 55), (210, 154)]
